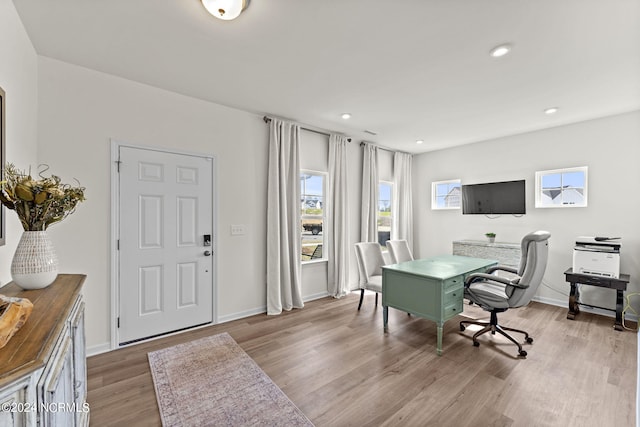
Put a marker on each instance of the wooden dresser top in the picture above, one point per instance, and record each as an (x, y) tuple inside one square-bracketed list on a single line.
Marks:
[(30, 348)]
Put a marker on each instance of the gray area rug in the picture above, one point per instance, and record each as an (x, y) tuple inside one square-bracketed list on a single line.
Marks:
[(213, 382)]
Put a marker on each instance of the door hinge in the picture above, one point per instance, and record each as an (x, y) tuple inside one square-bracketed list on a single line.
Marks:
[(118, 244), (118, 165), (118, 322)]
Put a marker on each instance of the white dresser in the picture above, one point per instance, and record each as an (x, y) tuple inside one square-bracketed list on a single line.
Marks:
[(43, 374), (505, 253)]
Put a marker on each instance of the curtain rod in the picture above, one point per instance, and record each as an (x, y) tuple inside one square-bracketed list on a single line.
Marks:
[(268, 119), (380, 147)]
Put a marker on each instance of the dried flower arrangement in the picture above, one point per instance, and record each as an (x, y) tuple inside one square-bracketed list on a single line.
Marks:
[(39, 203)]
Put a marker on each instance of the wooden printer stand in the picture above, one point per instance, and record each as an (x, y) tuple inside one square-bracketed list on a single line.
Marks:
[(620, 285)]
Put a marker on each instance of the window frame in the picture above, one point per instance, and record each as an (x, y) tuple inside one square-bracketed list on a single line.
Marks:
[(541, 174), (434, 193), (322, 217), (390, 184)]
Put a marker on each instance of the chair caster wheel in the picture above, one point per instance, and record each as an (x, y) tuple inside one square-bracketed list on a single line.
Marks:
[(476, 344), (462, 328), (522, 353), (529, 340)]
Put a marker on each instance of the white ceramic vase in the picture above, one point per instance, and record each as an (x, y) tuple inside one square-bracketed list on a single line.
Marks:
[(35, 264)]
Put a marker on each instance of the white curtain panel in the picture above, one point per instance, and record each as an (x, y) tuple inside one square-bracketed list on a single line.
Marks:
[(338, 218), (402, 226), (283, 218), (369, 225)]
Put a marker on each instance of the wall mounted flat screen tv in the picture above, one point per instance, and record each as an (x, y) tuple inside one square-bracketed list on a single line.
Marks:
[(494, 198)]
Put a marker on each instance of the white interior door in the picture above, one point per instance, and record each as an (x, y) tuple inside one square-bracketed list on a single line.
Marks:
[(165, 242)]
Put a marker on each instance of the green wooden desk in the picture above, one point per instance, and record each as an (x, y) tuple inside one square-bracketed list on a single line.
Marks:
[(431, 288)]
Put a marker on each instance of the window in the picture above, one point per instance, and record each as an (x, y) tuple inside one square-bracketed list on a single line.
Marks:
[(312, 214), (385, 216), (445, 194), (561, 188)]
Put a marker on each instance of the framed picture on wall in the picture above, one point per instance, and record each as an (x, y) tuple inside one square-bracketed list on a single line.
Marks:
[(2, 159)]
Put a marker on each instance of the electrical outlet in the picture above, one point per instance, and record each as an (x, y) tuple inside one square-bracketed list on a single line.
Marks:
[(237, 230)]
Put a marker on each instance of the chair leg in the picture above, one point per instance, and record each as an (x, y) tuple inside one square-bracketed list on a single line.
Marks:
[(526, 334), (499, 329), (493, 327), (361, 298), (376, 299)]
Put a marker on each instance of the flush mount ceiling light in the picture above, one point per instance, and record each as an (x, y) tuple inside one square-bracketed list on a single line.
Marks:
[(420, 141), (500, 51), (346, 116), (225, 9), (550, 111)]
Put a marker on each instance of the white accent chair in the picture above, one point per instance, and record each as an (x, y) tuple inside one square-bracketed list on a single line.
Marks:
[(370, 262), (399, 251), (497, 294)]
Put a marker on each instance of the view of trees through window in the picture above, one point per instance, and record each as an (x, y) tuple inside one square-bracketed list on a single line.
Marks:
[(385, 216), (312, 214)]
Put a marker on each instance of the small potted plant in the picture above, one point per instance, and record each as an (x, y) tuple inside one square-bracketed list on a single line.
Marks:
[(491, 237)]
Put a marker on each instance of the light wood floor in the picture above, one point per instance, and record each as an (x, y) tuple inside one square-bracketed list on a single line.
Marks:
[(340, 369)]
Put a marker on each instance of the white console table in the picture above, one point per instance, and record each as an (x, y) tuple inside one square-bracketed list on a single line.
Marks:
[(43, 368), (505, 253)]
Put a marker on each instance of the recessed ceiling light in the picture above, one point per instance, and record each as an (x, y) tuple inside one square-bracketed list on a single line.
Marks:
[(420, 141), (550, 111), (501, 50), (346, 116)]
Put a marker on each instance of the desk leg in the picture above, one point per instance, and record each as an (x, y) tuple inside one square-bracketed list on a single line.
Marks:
[(439, 347), (619, 307), (574, 296), (385, 317)]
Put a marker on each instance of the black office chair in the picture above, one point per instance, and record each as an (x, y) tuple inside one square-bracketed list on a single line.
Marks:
[(497, 294)]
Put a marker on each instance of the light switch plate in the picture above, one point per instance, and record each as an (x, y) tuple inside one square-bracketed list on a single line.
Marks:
[(237, 230)]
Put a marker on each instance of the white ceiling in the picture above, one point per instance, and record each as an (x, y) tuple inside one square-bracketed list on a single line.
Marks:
[(406, 70)]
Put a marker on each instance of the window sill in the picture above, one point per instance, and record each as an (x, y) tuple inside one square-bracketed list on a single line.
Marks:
[(314, 261)]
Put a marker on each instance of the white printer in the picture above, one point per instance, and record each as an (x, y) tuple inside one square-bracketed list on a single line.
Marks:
[(597, 256)]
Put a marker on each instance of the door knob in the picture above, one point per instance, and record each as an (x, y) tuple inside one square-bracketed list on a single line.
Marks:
[(207, 253)]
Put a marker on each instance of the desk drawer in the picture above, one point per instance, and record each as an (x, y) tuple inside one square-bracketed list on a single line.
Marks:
[(453, 282), (452, 310), (453, 295)]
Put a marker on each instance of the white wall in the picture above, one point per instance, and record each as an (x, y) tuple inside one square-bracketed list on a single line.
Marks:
[(610, 147), (80, 110), (18, 78)]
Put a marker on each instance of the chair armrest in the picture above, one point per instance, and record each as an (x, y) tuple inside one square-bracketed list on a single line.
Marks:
[(502, 268), (493, 278)]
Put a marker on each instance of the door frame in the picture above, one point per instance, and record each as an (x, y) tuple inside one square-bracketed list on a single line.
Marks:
[(115, 232)]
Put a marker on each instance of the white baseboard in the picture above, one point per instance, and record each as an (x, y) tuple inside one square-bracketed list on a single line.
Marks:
[(98, 349), (242, 314), (586, 309), (263, 309), (105, 347), (316, 296)]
